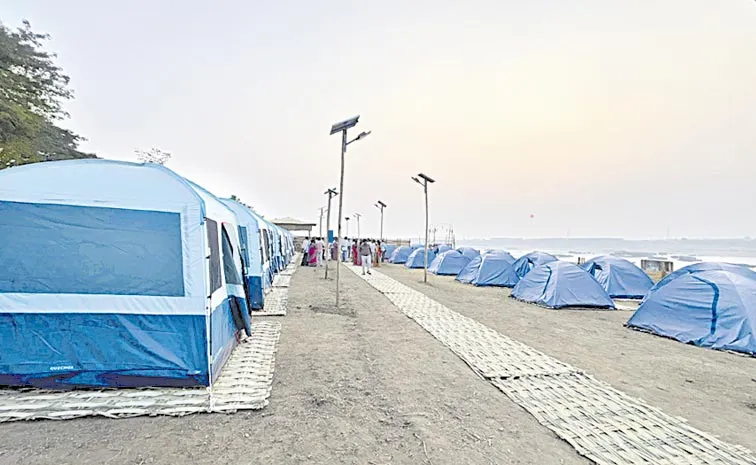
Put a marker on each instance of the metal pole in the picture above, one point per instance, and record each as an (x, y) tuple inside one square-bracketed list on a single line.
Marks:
[(341, 206), (320, 225), (425, 269), (381, 225), (336, 239)]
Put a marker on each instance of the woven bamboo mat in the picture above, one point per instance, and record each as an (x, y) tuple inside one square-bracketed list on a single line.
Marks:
[(276, 303), (245, 383), (600, 422)]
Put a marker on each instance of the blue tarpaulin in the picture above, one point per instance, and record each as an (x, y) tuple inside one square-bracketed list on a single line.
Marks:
[(712, 308), (561, 284), (448, 263), (388, 250), (417, 258), (496, 270), (620, 278)]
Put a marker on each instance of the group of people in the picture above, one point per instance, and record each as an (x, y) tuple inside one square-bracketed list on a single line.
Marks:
[(362, 252)]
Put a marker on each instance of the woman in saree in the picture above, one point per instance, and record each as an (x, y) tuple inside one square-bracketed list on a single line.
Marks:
[(312, 254)]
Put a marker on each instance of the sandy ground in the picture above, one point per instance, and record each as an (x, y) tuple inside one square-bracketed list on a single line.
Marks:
[(359, 385), (715, 391)]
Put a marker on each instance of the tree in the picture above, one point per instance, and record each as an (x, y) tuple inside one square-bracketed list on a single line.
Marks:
[(32, 91), (153, 155)]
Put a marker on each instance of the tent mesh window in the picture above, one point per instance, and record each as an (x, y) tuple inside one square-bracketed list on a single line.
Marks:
[(212, 240)]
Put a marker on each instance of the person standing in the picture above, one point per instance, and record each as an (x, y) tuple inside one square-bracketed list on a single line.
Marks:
[(344, 249), (312, 255), (320, 249), (355, 253), (305, 250), (366, 256), (378, 253)]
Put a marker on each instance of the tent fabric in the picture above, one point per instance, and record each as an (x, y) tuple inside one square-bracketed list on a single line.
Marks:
[(620, 278), (469, 252), (561, 284), (89, 230), (417, 258), (703, 266), (401, 254), (713, 308), (496, 270), (448, 263), (527, 262)]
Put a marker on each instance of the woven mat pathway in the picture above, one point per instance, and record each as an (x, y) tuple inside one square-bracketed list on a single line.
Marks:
[(277, 297), (245, 384), (600, 422)]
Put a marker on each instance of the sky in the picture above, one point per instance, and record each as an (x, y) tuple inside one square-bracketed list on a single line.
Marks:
[(580, 118)]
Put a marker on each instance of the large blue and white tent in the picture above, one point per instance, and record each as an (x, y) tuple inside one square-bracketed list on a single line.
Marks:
[(561, 284), (620, 278), (115, 274), (417, 258), (527, 262), (448, 263), (401, 254), (256, 281), (496, 269), (469, 252), (470, 271), (713, 308)]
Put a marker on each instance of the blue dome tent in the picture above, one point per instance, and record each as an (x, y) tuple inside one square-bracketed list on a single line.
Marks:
[(448, 263), (470, 271), (527, 262), (469, 252), (441, 248), (388, 250), (703, 266), (620, 278), (401, 254), (107, 269), (252, 245), (496, 270), (561, 284), (712, 308), (417, 258)]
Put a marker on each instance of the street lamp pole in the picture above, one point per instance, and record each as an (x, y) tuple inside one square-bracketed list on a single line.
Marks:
[(359, 236), (337, 240), (380, 206), (425, 181), (320, 223), (343, 127)]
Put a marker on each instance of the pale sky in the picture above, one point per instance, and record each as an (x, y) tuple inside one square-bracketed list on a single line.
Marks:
[(599, 117)]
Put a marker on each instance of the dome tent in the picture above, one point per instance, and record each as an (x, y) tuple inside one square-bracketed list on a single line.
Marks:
[(496, 270), (441, 248), (401, 254), (703, 266), (448, 263), (711, 308), (417, 258), (113, 266), (527, 262), (387, 250), (470, 271), (469, 252), (561, 284), (620, 278)]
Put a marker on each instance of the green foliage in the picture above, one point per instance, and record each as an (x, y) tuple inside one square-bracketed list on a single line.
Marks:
[(153, 155), (32, 91)]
